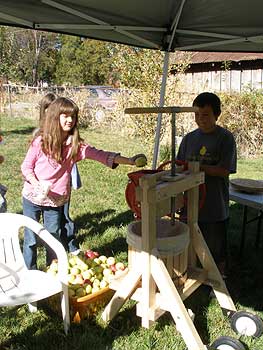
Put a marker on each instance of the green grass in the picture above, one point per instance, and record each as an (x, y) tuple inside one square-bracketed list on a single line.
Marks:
[(102, 215)]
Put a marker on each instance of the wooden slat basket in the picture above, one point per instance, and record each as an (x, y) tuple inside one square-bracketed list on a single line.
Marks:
[(83, 307)]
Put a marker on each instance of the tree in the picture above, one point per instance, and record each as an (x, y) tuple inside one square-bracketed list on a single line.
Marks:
[(84, 62), (27, 56)]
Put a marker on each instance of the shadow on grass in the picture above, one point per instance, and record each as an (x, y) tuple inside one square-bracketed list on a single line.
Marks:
[(118, 245), (245, 278), (25, 131), (99, 222), (44, 330)]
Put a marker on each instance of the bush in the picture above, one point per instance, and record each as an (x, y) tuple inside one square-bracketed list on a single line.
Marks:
[(242, 114)]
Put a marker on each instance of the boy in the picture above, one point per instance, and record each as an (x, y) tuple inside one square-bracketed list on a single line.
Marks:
[(215, 148)]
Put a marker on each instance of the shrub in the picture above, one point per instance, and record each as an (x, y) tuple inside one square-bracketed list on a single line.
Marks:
[(242, 114)]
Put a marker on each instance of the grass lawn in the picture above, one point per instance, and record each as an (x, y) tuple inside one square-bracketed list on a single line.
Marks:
[(101, 214)]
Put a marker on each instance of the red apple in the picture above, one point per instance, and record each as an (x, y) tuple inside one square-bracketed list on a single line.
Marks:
[(113, 268)]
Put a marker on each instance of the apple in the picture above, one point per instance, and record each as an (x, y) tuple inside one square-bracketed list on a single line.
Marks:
[(120, 266), (71, 293), (79, 279), (86, 282), (99, 276), (103, 259), (74, 270), (107, 272), (113, 268), (103, 284), (96, 254), (80, 292), (71, 278), (81, 264), (72, 261), (96, 282), (88, 289), (89, 253), (140, 161), (98, 269), (75, 286), (86, 275), (97, 261), (110, 260), (95, 289), (92, 271)]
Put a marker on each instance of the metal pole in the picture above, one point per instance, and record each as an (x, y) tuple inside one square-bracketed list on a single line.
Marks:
[(173, 142), (173, 146), (161, 103), (10, 100)]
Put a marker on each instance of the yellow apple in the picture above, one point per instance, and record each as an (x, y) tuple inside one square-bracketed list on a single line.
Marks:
[(86, 275), (119, 266), (88, 289), (111, 261), (140, 161)]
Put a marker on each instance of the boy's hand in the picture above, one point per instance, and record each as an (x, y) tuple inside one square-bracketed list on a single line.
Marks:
[(139, 160), (1, 159)]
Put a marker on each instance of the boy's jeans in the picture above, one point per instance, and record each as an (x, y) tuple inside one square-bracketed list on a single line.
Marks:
[(52, 219)]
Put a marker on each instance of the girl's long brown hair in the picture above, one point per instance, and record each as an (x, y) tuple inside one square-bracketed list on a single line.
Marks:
[(52, 139)]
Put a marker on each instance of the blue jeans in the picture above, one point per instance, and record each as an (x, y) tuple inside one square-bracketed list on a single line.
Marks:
[(52, 219), (68, 230)]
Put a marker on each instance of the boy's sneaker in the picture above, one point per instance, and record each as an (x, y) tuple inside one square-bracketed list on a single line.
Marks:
[(75, 252)]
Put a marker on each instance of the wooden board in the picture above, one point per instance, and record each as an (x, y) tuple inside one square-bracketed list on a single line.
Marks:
[(247, 185)]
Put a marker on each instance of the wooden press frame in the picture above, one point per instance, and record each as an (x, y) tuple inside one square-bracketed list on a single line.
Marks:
[(149, 282)]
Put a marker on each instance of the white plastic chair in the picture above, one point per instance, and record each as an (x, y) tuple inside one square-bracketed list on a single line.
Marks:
[(18, 285)]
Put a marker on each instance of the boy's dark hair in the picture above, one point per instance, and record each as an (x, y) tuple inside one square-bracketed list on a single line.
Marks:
[(208, 99)]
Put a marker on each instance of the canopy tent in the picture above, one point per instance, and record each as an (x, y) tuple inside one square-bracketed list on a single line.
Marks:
[(208, 25), (168, 25)]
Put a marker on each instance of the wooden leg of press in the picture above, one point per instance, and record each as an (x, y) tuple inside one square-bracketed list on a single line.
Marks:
[(184, 323), (214, 277), (129, 283)]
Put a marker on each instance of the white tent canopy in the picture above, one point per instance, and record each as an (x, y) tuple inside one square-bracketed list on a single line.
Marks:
[(201, 25)]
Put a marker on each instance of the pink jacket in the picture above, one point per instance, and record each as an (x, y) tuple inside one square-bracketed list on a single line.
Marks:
[(45, 168)]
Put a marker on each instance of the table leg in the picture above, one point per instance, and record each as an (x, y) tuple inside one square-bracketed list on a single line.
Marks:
[(243, 233), (260, 215)]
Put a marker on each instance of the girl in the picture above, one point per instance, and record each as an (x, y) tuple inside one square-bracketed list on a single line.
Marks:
[(3, 189), (47, 168), (68, 227)]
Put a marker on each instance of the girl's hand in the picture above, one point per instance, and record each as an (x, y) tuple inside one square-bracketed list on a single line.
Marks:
[(139, 160), (42, 189), (1, 159)]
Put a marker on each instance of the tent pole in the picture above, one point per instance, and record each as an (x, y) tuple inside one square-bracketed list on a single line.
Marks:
[(161, 103)]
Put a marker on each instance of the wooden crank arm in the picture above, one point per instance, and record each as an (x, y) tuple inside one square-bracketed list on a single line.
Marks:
[(173, 109)]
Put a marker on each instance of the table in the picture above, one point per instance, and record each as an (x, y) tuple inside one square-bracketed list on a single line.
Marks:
[(252, 200)]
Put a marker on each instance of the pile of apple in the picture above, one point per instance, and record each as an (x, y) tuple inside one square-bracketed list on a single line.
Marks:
[(89, 272)]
